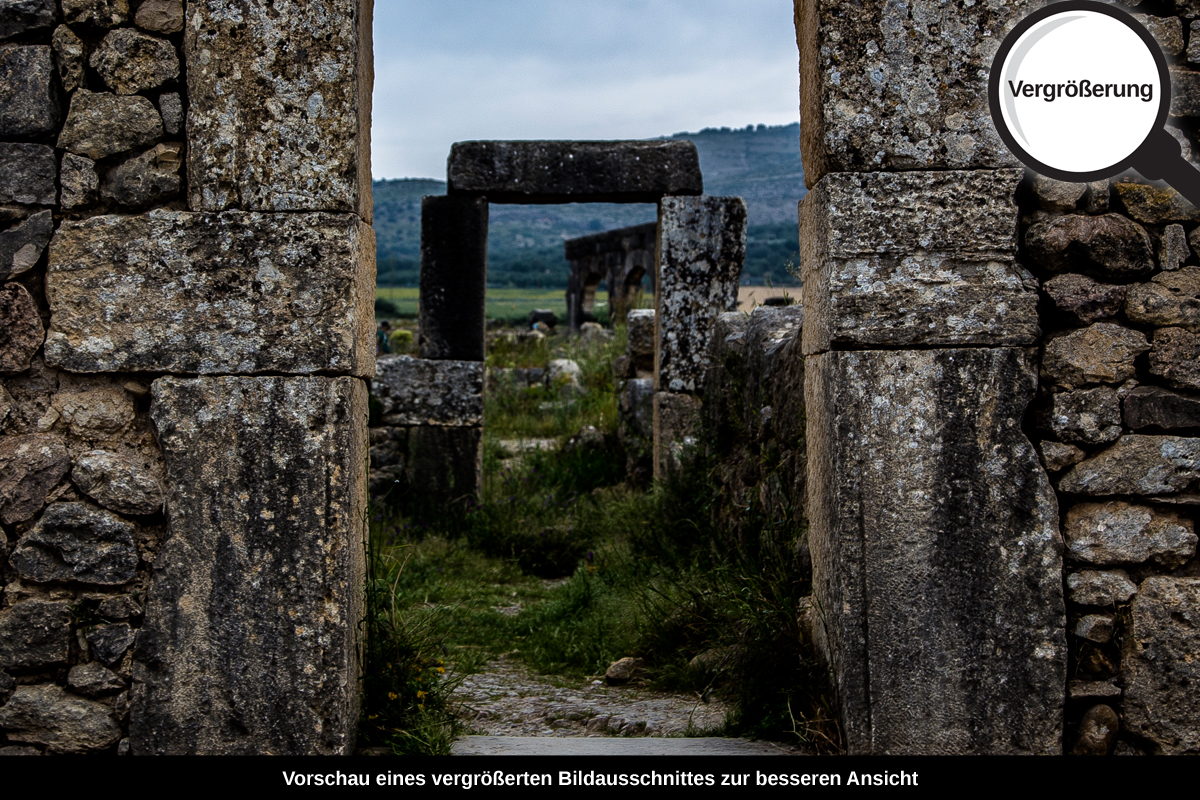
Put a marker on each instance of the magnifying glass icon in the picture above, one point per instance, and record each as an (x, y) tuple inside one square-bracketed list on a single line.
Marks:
[(1079, 91)]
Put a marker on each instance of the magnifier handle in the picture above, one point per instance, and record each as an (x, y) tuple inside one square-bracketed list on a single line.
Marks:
[(1160, 158)]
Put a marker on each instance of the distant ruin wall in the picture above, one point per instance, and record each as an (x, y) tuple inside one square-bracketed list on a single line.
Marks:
[(186, 313), (620, 259)]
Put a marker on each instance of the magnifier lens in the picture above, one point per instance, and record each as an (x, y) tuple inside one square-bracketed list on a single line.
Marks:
[(1069, 103)]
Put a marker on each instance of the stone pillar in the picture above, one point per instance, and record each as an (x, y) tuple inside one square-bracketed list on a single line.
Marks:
[(937, 560), (698, 264), (250, 644)]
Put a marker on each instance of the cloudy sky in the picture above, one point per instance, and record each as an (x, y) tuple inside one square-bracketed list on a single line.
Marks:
[(452, 70)]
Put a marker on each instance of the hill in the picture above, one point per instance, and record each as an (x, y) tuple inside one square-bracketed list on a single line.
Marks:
[(761, 164)]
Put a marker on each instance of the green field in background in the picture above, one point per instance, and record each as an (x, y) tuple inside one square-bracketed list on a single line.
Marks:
[(501, 303)]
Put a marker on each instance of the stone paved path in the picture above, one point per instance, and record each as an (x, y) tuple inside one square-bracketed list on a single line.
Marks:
[(511, 705)]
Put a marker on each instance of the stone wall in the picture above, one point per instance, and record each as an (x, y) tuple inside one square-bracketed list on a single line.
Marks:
[(187, 315), (620, 258), (1117, 415)]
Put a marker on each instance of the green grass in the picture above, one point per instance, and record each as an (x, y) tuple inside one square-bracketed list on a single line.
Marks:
[(600, 570)]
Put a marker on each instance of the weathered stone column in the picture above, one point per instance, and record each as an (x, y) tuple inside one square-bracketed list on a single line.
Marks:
[(698, 264), (937, 561), (265, 290)]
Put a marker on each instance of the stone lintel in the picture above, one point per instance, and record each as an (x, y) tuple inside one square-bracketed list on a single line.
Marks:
[(937, 560), (279, 105), (914, 258), (701, 251), (251, 634), (242, 293), (417, 391), (574, 172), (453, 277)]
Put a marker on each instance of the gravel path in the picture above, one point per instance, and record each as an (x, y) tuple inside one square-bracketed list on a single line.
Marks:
[(508, 700)]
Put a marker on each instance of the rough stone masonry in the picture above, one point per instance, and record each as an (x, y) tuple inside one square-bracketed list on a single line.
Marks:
[(186, 329)]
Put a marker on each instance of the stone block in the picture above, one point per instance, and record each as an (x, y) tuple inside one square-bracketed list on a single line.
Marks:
[(160, 16), (914, 258), (78, 542), (18, 17), (96, 13), (453, 277), (35, 634), (1057, 456), (1117, 532), (109, 643), (1155, 205), (170, 105), (1167, 31), (1089, 416), (769, 334), (94, 679), (936, 552), (20, 328), (130, 61), (1100, 587), (1185, 95), (249, 644), (637, 409), (21, 246), (80, 183), (27, 174), (417, 391), (28, 100), (1101, 353), (1173, 248), (1096, 628), (574, 172), (1083, 299), (117, 482), (1137, 464), (1160, 667), (1055, 195), (100, 124), (70, 53), (874, 93), (1107, 245), (30, 466), (279, 130), (1154, 408), (95, 413), (701, 251), (676, 428), (445, 466), (1175, 357), (640, 346), (1097, 732), (63, 723), (145, 179), (223, 293)]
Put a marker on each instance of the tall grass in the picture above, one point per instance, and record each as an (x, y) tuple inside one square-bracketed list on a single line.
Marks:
[(659, 574)]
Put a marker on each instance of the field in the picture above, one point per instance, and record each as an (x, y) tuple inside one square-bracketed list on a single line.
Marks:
[(514, 304), (506, 304)]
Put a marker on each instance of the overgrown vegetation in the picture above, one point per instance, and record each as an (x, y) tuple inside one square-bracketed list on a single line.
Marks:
[(570, 568)]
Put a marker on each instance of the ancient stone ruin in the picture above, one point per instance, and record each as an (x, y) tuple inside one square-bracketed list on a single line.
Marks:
[(985, 412), (619, 258), (701, 240)]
